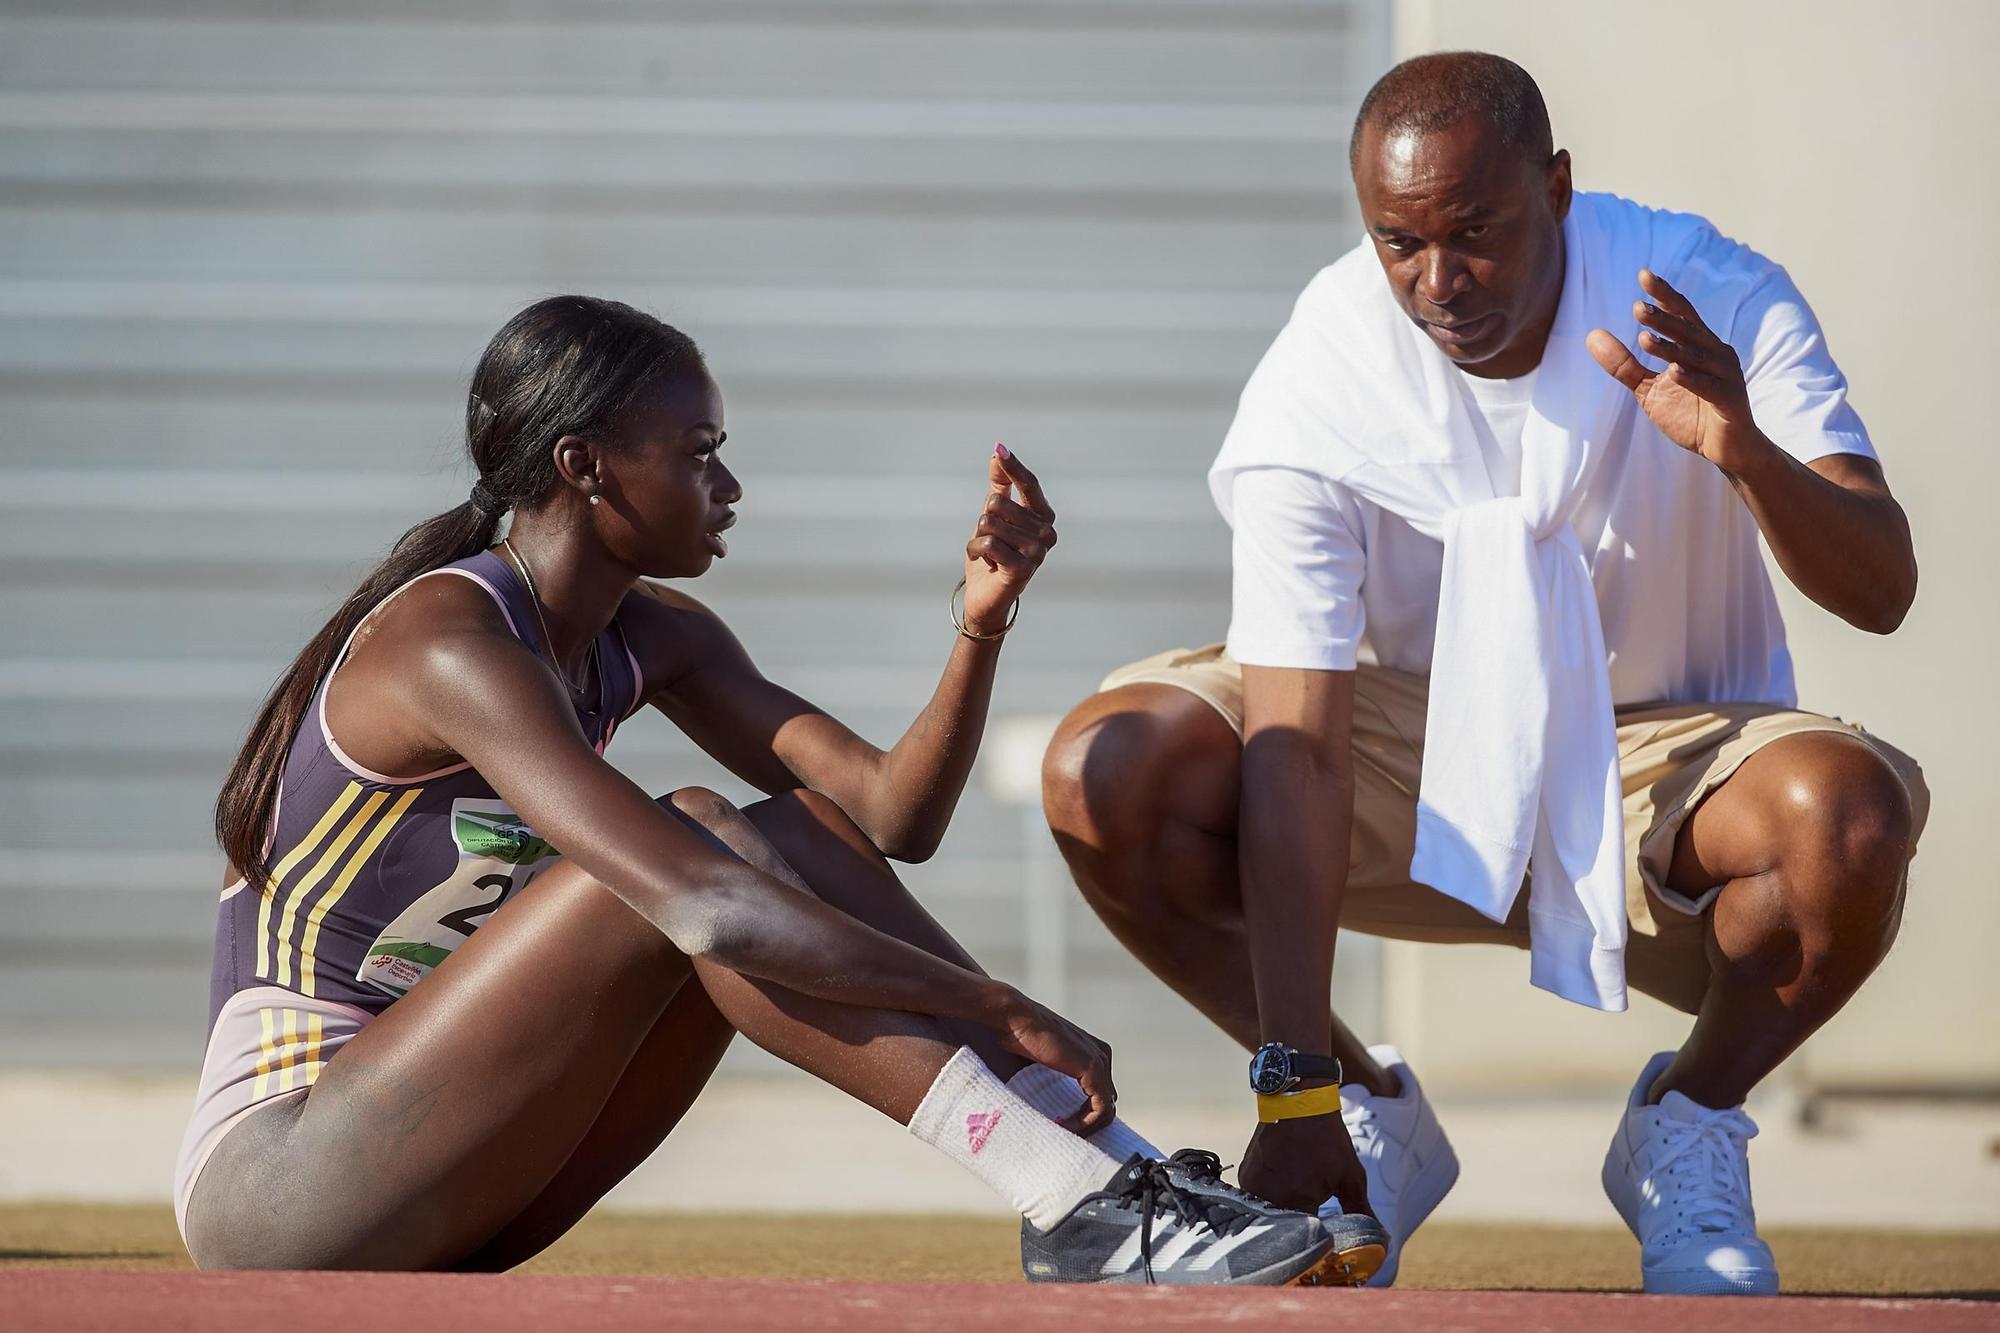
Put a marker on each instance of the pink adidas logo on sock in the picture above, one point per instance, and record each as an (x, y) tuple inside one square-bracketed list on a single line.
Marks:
[(979, 1128)]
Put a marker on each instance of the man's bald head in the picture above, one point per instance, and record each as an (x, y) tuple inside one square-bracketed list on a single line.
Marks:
[(1464, 196), (1426, 94)]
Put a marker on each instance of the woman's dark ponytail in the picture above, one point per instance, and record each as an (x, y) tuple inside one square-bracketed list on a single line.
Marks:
[(569, 365), (250, 793)]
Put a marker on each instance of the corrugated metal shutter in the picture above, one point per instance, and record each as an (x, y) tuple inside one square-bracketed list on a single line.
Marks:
[(249, 252)]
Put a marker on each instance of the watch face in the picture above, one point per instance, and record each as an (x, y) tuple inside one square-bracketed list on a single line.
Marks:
[(1271, 1070)]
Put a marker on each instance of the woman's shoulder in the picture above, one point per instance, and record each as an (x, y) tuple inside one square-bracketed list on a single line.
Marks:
[(434, 640), (657, 607), (434, 613), (671, 634)]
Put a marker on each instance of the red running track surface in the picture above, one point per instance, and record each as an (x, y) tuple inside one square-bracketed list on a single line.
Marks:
[(59, 1300)]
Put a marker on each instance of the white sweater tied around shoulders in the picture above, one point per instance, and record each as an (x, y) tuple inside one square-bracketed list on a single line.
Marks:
[(1520, 771)]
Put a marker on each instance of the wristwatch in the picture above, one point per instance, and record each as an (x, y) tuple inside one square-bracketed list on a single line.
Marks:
[(1278, 1068)]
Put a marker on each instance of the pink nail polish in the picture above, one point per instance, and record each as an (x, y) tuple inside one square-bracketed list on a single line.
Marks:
[(1001, 450)]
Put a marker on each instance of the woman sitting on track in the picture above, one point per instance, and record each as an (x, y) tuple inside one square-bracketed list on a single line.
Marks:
[(386, 1088)]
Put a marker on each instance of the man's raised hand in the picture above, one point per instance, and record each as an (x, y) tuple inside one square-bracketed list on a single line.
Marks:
[(1700, 401), (1008, 542)]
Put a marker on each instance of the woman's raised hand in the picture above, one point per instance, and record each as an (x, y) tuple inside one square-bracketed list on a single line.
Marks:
[(1008, 543)]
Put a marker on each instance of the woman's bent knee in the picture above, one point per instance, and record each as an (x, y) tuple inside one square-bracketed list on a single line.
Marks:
[(713, 816), (804, 819), (703, 806), (731, 830)]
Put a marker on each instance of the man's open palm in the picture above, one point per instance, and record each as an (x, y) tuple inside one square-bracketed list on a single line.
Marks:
[(1699, 401)]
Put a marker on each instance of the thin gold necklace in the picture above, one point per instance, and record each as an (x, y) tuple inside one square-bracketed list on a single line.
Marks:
[(548, 640)]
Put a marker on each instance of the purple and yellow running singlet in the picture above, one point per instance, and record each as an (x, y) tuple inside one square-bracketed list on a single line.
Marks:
[(375, 880)]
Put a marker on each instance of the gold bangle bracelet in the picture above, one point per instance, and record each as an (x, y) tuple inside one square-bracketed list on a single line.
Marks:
[(958, 617), (1273, 1107)]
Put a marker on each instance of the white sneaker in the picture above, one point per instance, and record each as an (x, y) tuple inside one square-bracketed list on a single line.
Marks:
[(1679, 1174), (1410, 1165)]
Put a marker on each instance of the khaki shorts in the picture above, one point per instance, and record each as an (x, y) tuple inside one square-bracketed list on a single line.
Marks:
[(1671, 758)]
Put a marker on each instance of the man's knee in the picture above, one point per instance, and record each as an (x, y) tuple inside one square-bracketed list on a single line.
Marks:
[(1068, 772), (1845, 824), (1121, 759), (1123, 765)]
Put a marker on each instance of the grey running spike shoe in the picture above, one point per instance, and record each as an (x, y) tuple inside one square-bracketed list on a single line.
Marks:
[(1359, 1242), (1151, 1223)]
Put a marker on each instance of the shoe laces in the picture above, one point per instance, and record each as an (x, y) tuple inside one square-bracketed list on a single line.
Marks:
[(1147, 1182), (1204, 1166), (1359, 1117), (1705, 1162)]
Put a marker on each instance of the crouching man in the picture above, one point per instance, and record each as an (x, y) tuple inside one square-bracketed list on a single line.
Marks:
[(1519, 446)]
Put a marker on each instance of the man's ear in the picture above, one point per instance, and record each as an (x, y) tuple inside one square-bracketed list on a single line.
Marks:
[(1559, 185)]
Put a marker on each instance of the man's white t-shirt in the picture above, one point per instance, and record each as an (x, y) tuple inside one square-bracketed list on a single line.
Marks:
[(1499, 414), (1685, 600)]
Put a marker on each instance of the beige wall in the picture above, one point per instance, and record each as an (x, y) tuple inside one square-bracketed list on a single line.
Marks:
[(1856, 143)]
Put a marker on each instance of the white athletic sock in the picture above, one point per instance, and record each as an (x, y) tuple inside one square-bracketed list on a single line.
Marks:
[(1057, 1096), (1036, 1165)]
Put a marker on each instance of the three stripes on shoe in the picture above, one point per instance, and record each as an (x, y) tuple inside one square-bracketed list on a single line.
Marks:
[(1181, 1243)]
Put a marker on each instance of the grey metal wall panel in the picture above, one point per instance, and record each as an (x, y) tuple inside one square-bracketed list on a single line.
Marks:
[(248, 254)]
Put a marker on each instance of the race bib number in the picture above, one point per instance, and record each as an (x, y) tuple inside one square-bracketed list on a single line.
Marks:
[(497, 856)]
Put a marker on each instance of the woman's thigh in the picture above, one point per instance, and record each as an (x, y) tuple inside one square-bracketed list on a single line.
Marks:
[(663, 1079), (443, 1120), (481, 1116), (801, 838)]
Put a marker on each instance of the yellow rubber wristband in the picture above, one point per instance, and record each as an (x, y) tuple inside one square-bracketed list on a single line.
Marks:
[(1273, 1107)]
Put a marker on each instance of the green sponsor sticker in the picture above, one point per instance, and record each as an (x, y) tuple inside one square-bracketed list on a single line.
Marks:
[(416, 951), (498, 836)]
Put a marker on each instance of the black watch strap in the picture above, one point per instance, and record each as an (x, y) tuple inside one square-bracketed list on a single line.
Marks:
[(1277, 1068), (1316, 1066)]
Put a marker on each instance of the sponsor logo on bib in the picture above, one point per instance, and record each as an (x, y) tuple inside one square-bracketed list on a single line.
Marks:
[(497, 856)]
